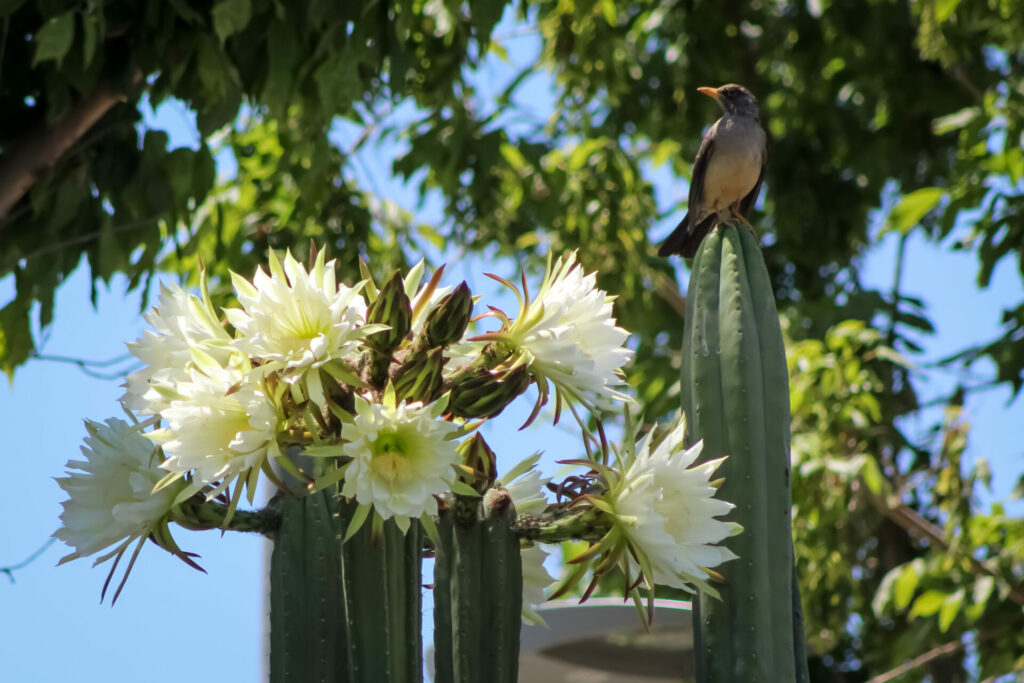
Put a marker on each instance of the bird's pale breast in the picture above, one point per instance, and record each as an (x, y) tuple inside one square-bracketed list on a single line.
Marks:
[(735, 163)]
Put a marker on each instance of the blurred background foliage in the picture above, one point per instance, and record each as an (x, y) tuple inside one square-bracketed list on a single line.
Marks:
[(912, 107)]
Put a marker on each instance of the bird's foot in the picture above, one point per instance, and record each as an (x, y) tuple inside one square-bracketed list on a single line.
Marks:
[(737, 217)]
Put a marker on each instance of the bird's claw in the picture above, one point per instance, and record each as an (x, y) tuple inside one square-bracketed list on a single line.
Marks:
[(736, 217)]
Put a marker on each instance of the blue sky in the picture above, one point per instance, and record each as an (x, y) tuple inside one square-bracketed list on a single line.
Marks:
[(173, 622)]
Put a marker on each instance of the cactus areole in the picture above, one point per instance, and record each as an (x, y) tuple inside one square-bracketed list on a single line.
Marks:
[(735, 394)]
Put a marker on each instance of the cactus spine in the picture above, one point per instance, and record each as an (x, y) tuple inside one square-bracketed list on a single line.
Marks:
[(735, 394)]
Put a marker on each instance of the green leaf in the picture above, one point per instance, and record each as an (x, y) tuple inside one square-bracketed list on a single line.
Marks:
[(9, 7), (282, 56), (927, 604), (912, 208), (580, 156), (514, 157), (883, 595), (979, 597), (16, 342), (608, 11), (528, 239), (944, 10), (213, 71), (906, 584), (337, 80), (54, 39), (499, 51), (324, 450), (431, 235), (665, 151), (950, 608), (231, 17), (1018, 490), (90, 37), (464, 489), (872, 476), (185, 12), (955, 121)]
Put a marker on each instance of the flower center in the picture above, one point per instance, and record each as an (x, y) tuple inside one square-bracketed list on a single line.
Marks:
[(389, 459)]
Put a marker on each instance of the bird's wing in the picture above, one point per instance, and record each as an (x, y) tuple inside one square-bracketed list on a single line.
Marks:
[(700, 168), (747, 203)]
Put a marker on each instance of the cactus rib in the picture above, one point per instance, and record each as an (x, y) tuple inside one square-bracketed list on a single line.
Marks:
[(735, 395)]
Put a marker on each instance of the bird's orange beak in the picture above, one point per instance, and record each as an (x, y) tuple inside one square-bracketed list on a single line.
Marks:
[(710, 92)]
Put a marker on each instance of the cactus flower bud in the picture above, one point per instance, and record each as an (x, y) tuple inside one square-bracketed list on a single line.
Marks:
[(485, 393), (448, 320), (391, 308), (478, 462), (420, 378)]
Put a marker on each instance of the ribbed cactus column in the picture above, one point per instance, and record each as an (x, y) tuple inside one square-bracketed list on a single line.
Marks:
[(478, 593), (343, 612), (308, 636), (736, 397)]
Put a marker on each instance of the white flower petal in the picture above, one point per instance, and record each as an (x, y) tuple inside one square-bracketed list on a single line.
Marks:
[(536, 579), (110, 498), (180, 323), (222, 425), (670, 513), (294, 321), (570, 334), (401, 458)]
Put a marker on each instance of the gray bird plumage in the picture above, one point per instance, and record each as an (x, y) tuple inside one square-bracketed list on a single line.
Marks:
[(727, 173)]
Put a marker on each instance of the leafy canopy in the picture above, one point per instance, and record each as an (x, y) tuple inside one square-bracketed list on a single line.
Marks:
[(917, 107)]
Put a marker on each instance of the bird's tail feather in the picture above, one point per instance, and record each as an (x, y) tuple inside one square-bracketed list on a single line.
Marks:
[(684, 240)]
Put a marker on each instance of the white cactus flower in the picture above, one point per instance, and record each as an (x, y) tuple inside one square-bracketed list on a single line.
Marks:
[(568, 336), (220, 425), (296, 321), (182, 322), (402, 456), (668, 511), (110, 493)]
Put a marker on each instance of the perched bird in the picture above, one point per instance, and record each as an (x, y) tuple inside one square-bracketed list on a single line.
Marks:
[(728, 171)]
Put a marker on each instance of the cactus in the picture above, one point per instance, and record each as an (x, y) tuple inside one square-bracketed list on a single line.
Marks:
[(307, 615), (343, 612), (736, 398), (478, 592)]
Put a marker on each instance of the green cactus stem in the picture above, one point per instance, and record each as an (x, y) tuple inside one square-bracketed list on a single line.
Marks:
[(478, 592), (343, 612), (736, 398)]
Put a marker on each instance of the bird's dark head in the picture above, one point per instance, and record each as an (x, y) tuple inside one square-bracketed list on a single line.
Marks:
[(733, 99)]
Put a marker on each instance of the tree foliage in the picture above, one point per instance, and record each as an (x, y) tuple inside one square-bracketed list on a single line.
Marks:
[(917, 107)]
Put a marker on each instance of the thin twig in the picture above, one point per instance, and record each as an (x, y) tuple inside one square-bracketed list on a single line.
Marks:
[(942, 400), (82, 362), (27, 561), (87, 237), (919, 661), (87, 365)]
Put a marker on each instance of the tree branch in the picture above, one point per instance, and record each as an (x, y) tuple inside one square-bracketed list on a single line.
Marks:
[(45, 146), (936, 652), (669, 291), (914, 523)]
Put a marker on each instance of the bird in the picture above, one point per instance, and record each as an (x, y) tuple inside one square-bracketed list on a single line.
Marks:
[(727, 173)]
